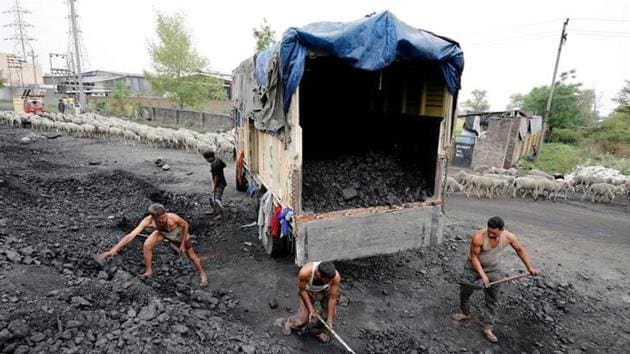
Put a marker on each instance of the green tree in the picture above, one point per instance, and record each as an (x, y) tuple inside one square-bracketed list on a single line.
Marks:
[(264, 35), (571, 106), (180, 72), (119, 102), (623, 99), (516, 101), (478, 102)]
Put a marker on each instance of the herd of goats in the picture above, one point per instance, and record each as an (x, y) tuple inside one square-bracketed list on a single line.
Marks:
[(491, 182), (90, 125)]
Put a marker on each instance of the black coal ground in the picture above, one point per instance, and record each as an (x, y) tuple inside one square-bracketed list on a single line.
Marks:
[(360, 181), (55, 298)]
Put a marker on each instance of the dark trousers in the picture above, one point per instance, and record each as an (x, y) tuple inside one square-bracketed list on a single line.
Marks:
[(488, 313)]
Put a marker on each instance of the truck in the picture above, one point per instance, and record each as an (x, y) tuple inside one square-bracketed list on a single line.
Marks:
[(31, 101), (348, 126)]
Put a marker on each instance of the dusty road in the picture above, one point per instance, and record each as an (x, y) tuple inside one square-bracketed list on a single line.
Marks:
[(65, 200)]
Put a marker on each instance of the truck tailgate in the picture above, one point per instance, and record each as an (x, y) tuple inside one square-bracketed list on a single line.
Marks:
[(381, 232)]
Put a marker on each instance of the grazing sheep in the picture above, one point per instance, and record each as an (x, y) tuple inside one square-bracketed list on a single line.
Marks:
[(452, 186), (526, 184), (602, 192), (540, 173)]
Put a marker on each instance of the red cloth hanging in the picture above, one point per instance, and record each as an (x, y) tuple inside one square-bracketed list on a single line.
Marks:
[(275, 222)]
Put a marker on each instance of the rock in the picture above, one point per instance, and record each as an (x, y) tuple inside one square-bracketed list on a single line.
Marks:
[(181, 329), (27, 251), (349, 193), (166, 167), (25, 140), (19, 328), (148, 312), (458, 238), (73, 324), (74, 228), (5, 336), (13, 256), (247, 349), (131, 313), (102, 275), (273, 304), (79, 300), (163, 317)]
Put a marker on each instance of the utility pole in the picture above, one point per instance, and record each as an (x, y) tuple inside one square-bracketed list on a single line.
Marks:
[(77, 53), (34, 69), (20, 35), (563, 38)]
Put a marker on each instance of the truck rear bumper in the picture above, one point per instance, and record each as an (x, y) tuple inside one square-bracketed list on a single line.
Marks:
[(364, 233)]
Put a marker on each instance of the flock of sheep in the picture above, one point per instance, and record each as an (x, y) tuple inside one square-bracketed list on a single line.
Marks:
[(90, 125), (493, 182)]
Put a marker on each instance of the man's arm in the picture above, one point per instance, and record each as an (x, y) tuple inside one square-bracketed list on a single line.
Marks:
[(476, 243), (302, 280), (126, 239), (332, 299), (522, 254), (179, 221)]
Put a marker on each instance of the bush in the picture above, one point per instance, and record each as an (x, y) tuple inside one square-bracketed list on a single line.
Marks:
[(566, 136), (555, 158)]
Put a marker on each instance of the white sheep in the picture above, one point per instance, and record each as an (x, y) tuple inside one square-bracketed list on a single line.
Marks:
[(526, 184), (452, 186)]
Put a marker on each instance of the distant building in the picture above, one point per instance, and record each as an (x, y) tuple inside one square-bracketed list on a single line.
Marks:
[(496, 139), (18, 73), (100, 83)]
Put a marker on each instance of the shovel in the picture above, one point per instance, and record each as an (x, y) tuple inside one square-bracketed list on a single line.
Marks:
[(335, 334), (478, 285)]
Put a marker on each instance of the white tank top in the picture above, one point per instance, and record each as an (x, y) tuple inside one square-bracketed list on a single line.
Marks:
[(315, 288)]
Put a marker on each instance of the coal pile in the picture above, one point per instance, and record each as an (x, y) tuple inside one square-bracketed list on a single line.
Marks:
[(361, 181)]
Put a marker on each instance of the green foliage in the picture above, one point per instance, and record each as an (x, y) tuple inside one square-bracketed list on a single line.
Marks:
[(566, 136), (571, 106), (478, 102), (179, 69), (264, 35), (623, 99), (554, 158), (516, 101)]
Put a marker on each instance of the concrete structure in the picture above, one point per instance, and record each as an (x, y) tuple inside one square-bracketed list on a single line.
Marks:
[(26, 76), (100, 82), (500, 139), (188, 119)]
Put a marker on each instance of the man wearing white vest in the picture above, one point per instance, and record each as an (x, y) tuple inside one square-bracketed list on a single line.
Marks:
[(317, 282)]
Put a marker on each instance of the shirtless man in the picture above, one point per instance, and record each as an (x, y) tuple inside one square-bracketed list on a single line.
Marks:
[(317, 282), (167, 225), (486, 247)]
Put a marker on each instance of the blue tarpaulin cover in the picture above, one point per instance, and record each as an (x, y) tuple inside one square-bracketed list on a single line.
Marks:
[(371, 43)]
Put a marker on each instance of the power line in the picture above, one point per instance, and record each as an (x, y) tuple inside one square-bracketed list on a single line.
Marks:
[(600, 19), (531, 24), (520, 38)]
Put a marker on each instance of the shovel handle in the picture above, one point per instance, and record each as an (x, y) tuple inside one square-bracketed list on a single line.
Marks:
[(513, 277), (335, 334)]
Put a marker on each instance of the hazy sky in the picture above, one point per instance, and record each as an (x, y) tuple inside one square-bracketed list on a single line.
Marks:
[(509, 46)]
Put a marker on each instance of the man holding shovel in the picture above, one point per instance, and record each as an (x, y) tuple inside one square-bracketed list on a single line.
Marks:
[(169, 226), (486, 247), (317, 282)]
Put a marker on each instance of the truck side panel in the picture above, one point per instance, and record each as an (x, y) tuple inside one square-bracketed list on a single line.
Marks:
[(350, 237)]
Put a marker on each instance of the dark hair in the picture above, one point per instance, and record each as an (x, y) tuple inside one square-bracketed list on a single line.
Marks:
[(496, 222), (327, 269), (208, 154), (156, 209)]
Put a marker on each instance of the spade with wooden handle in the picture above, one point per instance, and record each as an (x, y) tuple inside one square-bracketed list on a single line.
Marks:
[(478, 285)]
